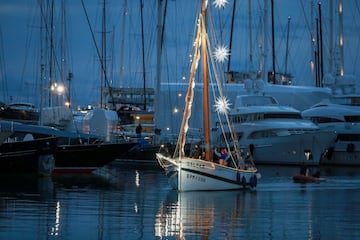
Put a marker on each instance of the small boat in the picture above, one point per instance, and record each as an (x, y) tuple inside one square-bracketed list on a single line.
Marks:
[(302, 178), (21, 112), (190, 173), (342, 115)]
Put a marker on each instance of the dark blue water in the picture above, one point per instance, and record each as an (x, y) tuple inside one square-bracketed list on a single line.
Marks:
[(132, 202)]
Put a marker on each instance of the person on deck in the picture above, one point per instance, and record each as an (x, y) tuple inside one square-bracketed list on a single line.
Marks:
[(195, 153), (138, 130), (223, 155)]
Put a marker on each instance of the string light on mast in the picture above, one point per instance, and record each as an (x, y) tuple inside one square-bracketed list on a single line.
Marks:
[(220, 3), (221, 53), (222, 105)]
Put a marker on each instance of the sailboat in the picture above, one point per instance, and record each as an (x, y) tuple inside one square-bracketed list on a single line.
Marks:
[(187, 173)]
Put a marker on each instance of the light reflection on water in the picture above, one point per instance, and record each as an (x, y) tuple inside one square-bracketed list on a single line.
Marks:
[(130, 202)]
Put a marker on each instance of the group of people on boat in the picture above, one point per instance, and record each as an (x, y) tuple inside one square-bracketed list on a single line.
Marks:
[(224, 157), (196, 152)]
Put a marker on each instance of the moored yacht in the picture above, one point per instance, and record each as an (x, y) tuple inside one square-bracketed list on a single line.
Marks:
[(74, 152), (275, 134), (21, 155), (21, 112), (342, 115)]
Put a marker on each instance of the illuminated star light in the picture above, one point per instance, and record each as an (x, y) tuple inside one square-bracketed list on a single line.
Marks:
[(220, 3), (222, 105), (221, 53)]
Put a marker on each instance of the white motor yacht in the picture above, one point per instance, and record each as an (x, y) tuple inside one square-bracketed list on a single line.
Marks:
[(342, 115), (275, 134)]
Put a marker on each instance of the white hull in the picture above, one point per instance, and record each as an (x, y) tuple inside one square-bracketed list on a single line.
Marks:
[(342, 115), (187, 174), (343, 153), (290, 149)]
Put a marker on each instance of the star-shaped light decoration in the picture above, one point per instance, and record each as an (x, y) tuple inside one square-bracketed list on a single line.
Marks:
[(220, 3), (221, 53), (222, 105)]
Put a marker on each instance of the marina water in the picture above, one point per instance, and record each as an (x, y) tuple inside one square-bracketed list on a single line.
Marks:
[(134, 201)]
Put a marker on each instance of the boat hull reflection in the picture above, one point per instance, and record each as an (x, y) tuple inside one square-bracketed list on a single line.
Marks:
[(186, 214)]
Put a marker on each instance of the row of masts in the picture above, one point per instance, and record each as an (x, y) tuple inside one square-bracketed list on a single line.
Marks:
[(317, 42), (54, 71), (106, 85)]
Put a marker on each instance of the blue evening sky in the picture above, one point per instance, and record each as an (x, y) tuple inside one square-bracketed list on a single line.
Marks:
[(20, 45)]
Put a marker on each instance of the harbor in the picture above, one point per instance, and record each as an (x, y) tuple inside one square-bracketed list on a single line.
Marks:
[(177, 132)]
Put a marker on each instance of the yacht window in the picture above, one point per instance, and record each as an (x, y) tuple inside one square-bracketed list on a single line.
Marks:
[(258, 101), (352, 101), (349, 137), (228, 137), (352, 118), (262, 134), (324, 120), (282, 115)]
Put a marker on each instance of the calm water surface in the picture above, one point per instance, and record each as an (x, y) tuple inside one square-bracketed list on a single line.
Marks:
[(126, 201)]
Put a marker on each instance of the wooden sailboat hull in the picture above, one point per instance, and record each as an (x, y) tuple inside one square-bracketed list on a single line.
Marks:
[(188, 174)]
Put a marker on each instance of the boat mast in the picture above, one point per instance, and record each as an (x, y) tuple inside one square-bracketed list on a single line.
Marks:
[(122, 44), (143, 53), (273, 74), (207, 140), (261, 60), (42, 64), (341, 39), (317, 55), (250, 37), (160, 36), (321, 48), (287, 45), (51, 51), (264, 53), (331, 34), (231, 33), (103, 57)]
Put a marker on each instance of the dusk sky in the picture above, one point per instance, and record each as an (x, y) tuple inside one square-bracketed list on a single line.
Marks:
[(20, 47)]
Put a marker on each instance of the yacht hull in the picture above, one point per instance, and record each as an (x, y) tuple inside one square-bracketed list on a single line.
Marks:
[(85, 158), (343, 153), (28, 157), (297, 149)]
